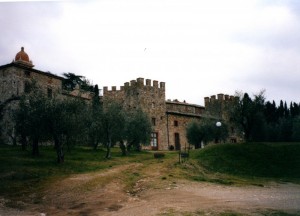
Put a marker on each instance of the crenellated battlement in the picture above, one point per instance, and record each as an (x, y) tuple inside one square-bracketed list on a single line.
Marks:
[(138, 83), (219, 97)]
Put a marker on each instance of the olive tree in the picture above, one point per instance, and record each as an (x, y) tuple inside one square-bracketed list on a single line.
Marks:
[(30, 119), (113, 125), (65, 123), (138, 129)]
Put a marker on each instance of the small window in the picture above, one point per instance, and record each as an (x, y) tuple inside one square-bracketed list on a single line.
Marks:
[(49, 92), (153, 120), (176, 123), (27, 87)]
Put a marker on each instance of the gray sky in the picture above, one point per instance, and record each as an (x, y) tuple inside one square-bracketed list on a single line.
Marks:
[(198, 47)]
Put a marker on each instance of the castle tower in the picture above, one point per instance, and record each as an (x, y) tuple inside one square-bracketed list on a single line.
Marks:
[(150, 97)]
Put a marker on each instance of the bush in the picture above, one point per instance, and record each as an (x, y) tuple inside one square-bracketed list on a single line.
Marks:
[(159, 155)]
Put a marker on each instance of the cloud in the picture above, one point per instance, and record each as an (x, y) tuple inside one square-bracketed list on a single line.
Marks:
[(197, 47), (26, 24)]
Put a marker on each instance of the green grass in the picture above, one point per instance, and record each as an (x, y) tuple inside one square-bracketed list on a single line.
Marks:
[(21, 173), (265, 160)]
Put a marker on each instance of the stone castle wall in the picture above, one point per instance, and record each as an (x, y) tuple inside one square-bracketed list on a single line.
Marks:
[(218, 106), (15, 80), (179, 115), (219, 97), (169, 118), (148, 96), (177, 124), (183, 107)]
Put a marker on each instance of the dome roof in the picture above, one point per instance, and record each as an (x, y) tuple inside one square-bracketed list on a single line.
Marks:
[(22, 56), (23, 59)]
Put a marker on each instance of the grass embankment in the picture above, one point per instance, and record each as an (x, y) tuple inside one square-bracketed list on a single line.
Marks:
[(276, 161)]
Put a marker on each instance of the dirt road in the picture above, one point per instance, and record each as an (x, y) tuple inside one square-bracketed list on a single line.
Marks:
[(82, 195), (211, 198)]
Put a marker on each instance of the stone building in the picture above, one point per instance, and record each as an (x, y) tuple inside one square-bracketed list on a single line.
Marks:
[(169, 118), (16, 79), (179, 115), (217, 106)]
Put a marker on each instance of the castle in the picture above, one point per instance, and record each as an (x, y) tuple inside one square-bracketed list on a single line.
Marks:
[(169, 118)]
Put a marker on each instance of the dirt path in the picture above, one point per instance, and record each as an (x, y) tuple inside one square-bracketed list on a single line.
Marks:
[(84, 195), (211, 198)]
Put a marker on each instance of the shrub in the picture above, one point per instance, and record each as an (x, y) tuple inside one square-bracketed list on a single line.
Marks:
[(159, 155)]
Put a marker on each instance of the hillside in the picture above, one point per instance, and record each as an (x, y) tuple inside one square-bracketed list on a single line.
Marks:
[(139, 184)]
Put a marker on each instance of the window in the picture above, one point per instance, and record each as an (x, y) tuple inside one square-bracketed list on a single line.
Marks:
[(176, 123), (154, 136), (27, 87), (49, 92), (153, 120)]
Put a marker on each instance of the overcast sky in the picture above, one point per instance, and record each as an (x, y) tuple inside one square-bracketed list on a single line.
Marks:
[(198, 47)]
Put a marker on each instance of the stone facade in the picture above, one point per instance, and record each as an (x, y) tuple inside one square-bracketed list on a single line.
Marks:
[(150, 97), (16, 79), (216, 106), (169, 118), (179, 115)]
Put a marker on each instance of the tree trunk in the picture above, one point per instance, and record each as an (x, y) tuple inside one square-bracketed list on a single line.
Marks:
[(129, 145), (108, 146), (35, 147), (95, 145), (59, 150), (123, 148), (138, 147), (68, 142), (23, 142)]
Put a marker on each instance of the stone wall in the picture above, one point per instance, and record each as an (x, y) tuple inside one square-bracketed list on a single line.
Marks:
[(177, 124), (218, 106), (140, 93), (15, 80), (149, 96), (179, 115), (183, 107)]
